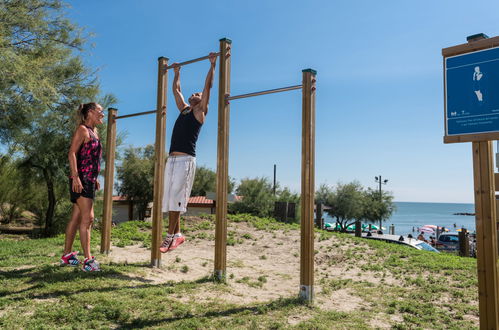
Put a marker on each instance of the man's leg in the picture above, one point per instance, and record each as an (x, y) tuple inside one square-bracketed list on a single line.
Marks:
[(173, 222)]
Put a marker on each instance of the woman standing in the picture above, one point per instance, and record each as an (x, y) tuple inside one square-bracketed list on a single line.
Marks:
[(84, 163)]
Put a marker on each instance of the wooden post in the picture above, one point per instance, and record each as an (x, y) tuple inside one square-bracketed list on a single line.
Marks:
[(488, 293), (318, 216), (159, 165), (464, 243), (358, 228), (107, 213), (222, 161), (307, 186)]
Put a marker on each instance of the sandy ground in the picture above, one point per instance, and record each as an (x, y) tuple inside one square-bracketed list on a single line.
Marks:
[(262, 268), (271, 256)]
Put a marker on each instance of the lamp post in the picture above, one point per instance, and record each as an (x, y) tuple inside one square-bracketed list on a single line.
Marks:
[(379, 180)]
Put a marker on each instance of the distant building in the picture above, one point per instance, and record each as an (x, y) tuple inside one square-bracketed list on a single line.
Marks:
[(123, 209)]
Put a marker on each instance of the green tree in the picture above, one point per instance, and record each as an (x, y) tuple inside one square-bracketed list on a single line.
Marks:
[(377, 208), (286, 195), (42, 81), (205, 180), (14, 190), (346, 202), (136, 177), (257, 197)]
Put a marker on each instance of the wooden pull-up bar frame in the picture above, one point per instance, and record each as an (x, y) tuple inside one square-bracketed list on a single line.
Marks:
[(307, 167), (307, 172), (269, 91), (190, 61)]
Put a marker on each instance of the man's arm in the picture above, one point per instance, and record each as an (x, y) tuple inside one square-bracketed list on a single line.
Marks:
[(205, 98), (179, 98)]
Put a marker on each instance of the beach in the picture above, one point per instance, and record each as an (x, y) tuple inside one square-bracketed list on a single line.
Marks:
[(414, 214)]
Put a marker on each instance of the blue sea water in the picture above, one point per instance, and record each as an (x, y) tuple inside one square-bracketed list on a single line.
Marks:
[(412, 214)]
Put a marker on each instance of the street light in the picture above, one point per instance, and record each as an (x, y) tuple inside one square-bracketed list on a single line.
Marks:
[(379, 180)]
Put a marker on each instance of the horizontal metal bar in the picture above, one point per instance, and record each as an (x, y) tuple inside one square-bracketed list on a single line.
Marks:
[(136, 114), (270, 91), (192, 61)]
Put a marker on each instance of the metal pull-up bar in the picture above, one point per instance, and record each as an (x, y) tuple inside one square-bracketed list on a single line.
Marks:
[(270, 91), (136, 114), (191, 61)]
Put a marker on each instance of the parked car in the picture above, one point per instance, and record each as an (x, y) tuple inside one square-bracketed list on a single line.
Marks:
[(404, 240), (448, 242)]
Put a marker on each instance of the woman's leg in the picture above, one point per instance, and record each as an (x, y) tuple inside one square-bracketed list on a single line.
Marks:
[(71, 228), (86, 206)]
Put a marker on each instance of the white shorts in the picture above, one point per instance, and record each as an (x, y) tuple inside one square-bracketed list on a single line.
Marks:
[(179, 177)]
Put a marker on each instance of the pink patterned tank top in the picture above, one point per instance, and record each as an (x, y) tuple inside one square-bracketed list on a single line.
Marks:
[(88, 158)]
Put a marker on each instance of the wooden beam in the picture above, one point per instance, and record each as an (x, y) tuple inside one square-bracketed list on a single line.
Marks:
[(222, 161), (471, 137), (470, 47), (486, 235), (159, 165), (307, 186), (107, 213)]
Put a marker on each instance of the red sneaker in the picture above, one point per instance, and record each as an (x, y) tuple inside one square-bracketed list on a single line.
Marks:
[(165, 246), (176, 242)]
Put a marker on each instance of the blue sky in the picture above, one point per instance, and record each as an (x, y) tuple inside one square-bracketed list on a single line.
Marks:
[(379, 83)]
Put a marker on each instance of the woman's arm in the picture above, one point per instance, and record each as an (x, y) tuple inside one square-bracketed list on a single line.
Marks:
[(79, 137)]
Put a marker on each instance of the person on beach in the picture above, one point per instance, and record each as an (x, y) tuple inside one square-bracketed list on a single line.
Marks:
[(422, 238), (181, 163), (84, 163)]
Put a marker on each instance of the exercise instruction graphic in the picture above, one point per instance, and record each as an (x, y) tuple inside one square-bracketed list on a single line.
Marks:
[(472, 92), (477, 75)]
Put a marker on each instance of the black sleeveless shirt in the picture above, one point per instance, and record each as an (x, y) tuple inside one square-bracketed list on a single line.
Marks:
[(185, 133)]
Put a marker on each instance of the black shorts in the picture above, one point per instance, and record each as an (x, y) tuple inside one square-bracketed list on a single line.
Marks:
[(88, 190)]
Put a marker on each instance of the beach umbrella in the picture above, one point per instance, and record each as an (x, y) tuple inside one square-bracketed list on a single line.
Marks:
[(434, 227), (366, 226), (427, 230)]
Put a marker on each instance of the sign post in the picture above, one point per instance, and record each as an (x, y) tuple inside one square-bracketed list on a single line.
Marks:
[(471, 101)]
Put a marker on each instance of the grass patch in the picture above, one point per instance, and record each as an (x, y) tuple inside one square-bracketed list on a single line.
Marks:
[(421, 289)]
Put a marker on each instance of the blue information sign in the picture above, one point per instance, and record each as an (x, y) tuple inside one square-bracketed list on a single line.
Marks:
[(472, 89)]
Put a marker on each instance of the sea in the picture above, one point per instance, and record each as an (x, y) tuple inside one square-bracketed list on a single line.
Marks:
[(409, 216)]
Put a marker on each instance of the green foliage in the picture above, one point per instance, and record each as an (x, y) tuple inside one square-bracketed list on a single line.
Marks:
[(350, 202), (285, 195), (14, 190), (345, 202), (206, 181), (132, 232), (42, 81), (257, 197), (136, 177), (377, 207)]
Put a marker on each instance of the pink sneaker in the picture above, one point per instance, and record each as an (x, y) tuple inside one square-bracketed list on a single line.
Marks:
[(70, 259), (176, 242), (165, 246), (91, 265)]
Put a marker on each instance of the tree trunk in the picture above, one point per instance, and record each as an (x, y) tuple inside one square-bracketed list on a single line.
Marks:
[(49, 215), (12, 212)]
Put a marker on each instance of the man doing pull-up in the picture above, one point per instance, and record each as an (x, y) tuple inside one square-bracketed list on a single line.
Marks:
[(181, 163)]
